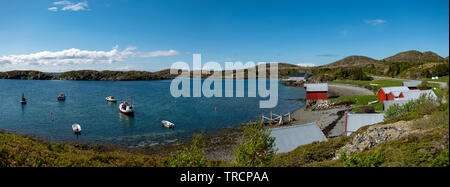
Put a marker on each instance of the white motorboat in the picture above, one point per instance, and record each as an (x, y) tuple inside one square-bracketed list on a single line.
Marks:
[(126, 108), (111, 99), (76, 128), (167, 124)]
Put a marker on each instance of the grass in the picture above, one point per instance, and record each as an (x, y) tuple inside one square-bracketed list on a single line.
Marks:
[(360, 101), (374, 85)]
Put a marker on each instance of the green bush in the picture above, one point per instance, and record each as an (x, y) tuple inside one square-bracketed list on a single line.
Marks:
[(192, 155), (358, 160), (258, 147), (424, 105)]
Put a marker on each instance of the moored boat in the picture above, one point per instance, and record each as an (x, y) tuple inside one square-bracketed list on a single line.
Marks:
[(61, 97), (23, 100), (111, 99), (126, 108), (76, 128), (167, 124)]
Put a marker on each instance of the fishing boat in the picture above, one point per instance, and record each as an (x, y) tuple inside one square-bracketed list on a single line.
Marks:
[(23, 100), (167, 124), (111, 99), (61, 97), (76, 128), (126, 108)]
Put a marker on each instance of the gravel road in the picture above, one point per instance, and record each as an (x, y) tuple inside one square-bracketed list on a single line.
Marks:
[(347, 90)]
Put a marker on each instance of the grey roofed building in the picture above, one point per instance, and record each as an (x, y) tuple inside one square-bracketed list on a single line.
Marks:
[(400, 102), (289, 138), (412, 84), (415, 94), (388, 90), (408, 96), (319, 87), (355, 121)]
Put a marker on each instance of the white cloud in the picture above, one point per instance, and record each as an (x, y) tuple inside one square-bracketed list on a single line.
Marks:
[(70, 6), (375, 22), (62, 3), (54, 9), (157, 53), (306, 65), (77, 56)]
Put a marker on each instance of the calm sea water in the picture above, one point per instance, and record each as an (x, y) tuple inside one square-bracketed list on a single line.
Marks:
[(101, 121)]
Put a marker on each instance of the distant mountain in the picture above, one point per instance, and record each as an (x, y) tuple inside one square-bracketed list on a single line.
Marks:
[(353, 61), (414, 56)]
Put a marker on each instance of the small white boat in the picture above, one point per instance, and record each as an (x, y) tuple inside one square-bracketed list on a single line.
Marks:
[(126, 108), (167, 124), (76, 128), (111, 99)]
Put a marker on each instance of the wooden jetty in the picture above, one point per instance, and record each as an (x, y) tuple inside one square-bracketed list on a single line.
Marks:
[(274, 119)]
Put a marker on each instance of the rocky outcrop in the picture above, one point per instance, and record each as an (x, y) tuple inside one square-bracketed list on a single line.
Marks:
[(377, 134), (317, 105)]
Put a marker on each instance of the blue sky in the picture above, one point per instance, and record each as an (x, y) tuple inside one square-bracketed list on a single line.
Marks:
[(53, 35)]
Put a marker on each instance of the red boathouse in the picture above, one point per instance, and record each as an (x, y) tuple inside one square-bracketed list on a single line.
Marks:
[(316, 91), (390, 93)]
